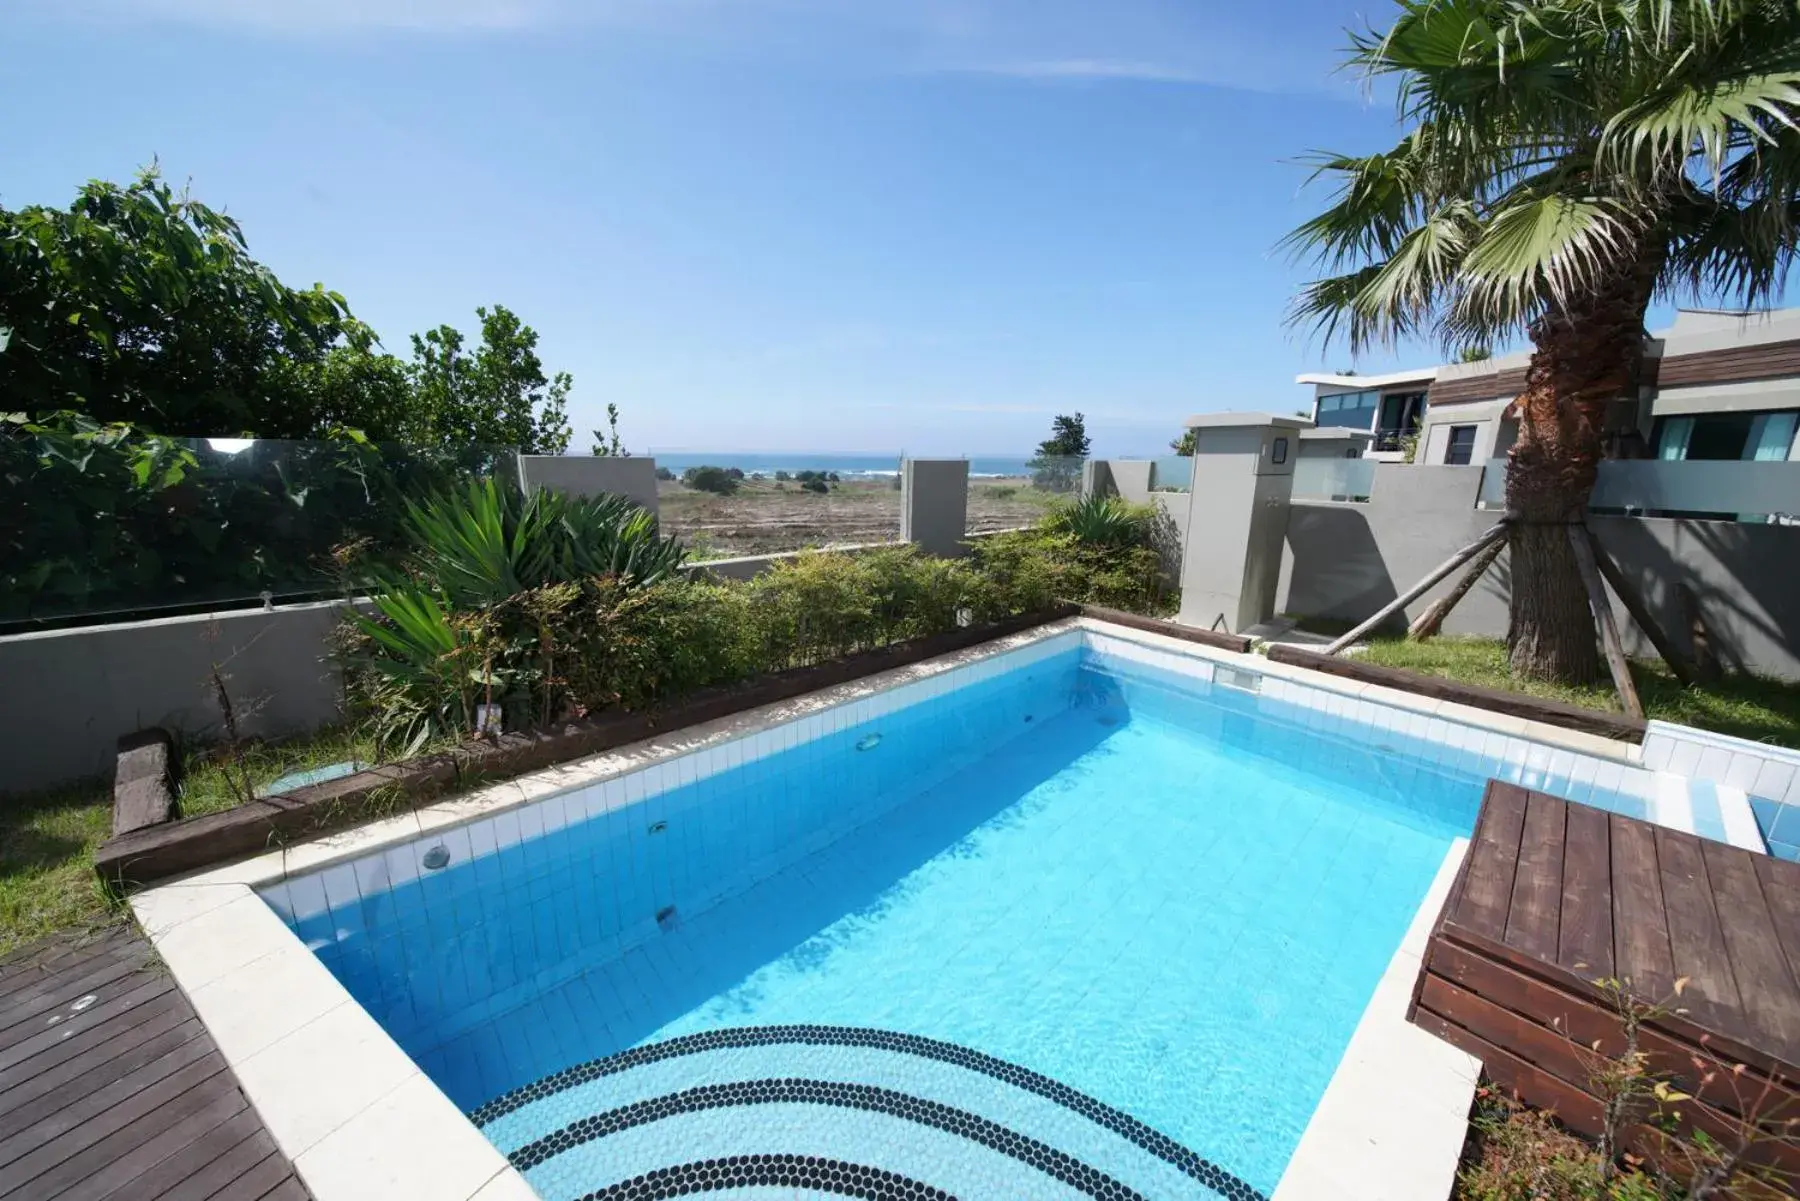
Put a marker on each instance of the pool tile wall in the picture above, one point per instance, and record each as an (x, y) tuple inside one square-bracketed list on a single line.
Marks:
[(1770, 775), (1470, 742)]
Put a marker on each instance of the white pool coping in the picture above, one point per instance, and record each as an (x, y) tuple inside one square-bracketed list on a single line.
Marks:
[(1393, 1120), (358, 1118)]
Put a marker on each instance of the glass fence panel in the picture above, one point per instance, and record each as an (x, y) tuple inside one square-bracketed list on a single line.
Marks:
[(1172, 473), (1493, 485), (98, 525), (1012, 493), (1723, 489), (1334, 479), (729, 505)]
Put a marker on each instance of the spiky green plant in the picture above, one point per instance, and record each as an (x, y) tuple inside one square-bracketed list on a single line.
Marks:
[(1102, 521)]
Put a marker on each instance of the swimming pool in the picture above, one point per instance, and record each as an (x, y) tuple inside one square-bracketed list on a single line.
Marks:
[(1088, 918)]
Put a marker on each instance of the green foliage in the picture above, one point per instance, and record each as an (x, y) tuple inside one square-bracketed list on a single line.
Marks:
[(140, 304), (1035, 568), (607, 443), (815, 486), (1190, 439), (710, 479), (1552, 149), (1057, 465), (496, 395), (1103, 521), (114, 519), (664, 473)]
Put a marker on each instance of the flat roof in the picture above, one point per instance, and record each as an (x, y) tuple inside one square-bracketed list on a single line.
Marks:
[(1326, 379), (1225, 420)]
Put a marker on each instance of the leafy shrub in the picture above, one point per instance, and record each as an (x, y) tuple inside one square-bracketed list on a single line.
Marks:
[(1036, 567), (815, 486), (1103, 521), (664, 473), (710, 479)]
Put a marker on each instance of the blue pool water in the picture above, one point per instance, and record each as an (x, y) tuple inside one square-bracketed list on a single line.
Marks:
[(1064, 932)]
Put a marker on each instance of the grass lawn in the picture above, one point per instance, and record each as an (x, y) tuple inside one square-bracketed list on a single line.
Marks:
[(212, 780), (47, 881), (1754, 707)]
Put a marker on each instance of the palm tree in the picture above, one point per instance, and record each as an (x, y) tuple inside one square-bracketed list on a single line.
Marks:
[(1565, 162)]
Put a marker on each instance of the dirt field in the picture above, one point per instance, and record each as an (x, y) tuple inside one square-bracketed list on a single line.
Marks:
[(763, 517)]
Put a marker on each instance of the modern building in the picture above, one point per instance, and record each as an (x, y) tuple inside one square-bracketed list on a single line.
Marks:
[(1716, 386), (1386, 407)]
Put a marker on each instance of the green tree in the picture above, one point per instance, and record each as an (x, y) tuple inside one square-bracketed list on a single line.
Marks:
[(1564, 162), (141, 304), (1184, 445), (496, 395), (1057, 465), (710, 479), (607, 443)]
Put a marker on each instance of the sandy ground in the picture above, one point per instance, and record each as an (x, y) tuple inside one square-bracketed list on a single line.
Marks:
[(763, 517)]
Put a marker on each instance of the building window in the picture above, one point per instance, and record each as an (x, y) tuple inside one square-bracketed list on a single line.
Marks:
[(1279, 454), (1761, 436), (1401, 414), (1460, 450), (1347, 410)]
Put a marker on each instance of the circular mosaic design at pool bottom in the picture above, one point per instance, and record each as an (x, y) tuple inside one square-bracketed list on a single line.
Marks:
[(832, 1110)]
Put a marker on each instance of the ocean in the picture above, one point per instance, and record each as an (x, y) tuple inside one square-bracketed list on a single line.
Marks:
[(849, 466)]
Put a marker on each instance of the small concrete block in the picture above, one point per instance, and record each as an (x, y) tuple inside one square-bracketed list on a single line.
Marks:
[(143, 781)]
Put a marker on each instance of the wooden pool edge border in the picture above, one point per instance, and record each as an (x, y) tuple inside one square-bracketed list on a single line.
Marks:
[(174, 848)]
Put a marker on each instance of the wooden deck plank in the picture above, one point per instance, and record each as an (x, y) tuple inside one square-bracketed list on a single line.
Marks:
[(213, 1179), (1493, 863), (150, 1106), (1640, 927), (155, 993), (221, 1140), (1585, 941), (1781, 892), (127, 1041), (1765, 981), (127, 1097), (93, 1104), (202, 1111), (122, 976), (1696, 943), (1534, 918)]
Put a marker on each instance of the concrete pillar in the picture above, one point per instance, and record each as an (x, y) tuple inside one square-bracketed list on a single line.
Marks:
[(586, 475), (934, 505), (1237, 517)]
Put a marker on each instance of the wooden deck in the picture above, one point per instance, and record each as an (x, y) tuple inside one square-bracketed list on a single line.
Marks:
[(111, 1088), (1554, 896)]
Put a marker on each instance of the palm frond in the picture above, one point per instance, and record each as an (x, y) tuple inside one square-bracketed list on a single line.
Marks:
[(1704, 123), (1543, 249)]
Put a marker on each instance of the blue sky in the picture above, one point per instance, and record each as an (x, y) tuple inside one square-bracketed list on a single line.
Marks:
[(755, 224)]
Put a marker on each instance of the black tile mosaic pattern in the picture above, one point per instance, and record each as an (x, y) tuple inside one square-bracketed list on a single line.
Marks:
[(780, 1171), (1042, 1156), (1123, 1124)]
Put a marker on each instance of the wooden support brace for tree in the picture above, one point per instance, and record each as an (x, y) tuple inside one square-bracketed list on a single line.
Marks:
[(1603, 617), (1640, 612), (1430, 620), (1417, 590)]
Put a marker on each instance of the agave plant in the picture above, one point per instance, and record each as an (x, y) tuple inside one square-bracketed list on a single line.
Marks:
[(1102, 521), (483, 544)]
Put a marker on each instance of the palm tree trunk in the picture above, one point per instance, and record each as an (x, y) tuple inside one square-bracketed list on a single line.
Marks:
[(1585, 356)]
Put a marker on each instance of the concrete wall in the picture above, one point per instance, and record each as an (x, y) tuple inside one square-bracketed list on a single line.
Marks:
[(583, 475), (1345, 561), (67, 695), (934, 505)]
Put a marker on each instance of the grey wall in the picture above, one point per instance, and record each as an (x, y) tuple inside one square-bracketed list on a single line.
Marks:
[(67, 695), (1345, 561), (934, 505), (582, 475)]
